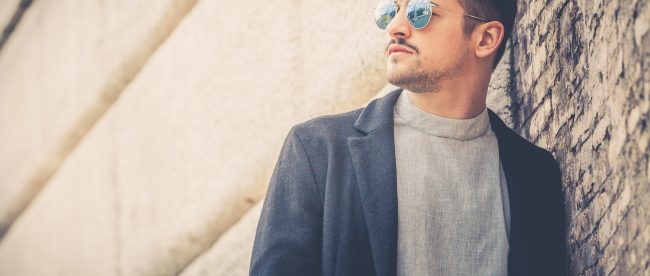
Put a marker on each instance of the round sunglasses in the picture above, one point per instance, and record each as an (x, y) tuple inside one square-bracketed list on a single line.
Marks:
[(418, 13)]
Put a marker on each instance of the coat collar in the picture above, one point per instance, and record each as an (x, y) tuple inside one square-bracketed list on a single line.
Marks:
[(379, 112), (373, 156)]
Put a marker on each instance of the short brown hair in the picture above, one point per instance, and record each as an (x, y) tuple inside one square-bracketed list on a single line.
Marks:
[(503, 11)]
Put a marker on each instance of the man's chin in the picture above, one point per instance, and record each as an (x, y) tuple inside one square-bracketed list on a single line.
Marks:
[(398, 74), (399, 58), (398, 68), (409, 79), (397, 80)]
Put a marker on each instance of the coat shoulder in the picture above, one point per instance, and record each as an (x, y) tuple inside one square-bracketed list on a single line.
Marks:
[(535, 161), (527, 156), (329, 127), (520, 144)]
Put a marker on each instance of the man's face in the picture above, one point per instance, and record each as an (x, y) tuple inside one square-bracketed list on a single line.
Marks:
[(422, 60)]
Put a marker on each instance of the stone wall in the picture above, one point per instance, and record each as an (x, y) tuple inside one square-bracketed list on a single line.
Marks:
[(581, 81)]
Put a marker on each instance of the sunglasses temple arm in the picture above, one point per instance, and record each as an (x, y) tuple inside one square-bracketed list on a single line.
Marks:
[(435, 5), (476, 17)]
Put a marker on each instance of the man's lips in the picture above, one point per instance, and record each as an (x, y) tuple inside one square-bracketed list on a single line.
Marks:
[(395, 48)]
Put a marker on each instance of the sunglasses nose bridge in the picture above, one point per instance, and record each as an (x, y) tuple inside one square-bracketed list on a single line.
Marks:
[(399, 26)]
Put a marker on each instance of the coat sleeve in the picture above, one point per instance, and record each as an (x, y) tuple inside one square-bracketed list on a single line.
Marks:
[(289, 232)]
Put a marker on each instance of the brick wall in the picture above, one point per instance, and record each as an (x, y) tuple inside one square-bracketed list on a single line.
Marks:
[(580, 70)]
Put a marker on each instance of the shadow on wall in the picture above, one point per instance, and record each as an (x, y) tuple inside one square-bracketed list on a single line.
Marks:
[(9, 19)]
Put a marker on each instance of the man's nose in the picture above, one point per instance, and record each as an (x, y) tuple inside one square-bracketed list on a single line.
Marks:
[(399, 27)]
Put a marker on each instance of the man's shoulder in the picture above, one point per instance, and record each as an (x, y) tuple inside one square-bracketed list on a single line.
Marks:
[(533, 148), (531, 158), (378, 112), (515, 143), (329, 127), (539, 152)]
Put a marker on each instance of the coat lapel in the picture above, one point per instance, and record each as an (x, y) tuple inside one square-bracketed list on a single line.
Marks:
[(373, 156)]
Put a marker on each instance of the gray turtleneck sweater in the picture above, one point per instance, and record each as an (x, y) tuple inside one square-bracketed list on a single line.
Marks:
[(453, 213)]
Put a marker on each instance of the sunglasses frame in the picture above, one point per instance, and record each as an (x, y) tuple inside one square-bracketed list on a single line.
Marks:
[(432, 6)]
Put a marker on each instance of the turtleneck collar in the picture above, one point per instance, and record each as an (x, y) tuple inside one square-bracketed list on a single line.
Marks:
[(457, 129)]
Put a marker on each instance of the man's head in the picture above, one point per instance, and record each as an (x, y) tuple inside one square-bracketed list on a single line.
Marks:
[(462, 37)]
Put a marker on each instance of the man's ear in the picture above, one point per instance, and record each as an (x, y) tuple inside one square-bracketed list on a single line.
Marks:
[(489, 36)]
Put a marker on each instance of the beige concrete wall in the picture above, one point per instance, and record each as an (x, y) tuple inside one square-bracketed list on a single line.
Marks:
[(62, 67), (70, 228), (231, 254), (196, 136)]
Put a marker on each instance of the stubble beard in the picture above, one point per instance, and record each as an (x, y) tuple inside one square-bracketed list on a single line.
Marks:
[(418, 79)]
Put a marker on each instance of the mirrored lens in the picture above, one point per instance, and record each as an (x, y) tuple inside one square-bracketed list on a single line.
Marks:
[(418, 13), (385, 12)]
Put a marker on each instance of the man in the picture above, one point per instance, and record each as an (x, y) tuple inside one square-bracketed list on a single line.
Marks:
[(424, 181)]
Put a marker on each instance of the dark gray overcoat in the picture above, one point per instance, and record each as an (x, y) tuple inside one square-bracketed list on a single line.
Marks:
[(331, 206)]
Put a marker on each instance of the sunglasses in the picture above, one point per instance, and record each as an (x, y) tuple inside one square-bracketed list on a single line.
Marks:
[(418, 13)]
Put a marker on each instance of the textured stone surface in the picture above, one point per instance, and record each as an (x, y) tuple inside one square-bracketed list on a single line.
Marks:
[(582, 84), (499, 97), (63, 66)]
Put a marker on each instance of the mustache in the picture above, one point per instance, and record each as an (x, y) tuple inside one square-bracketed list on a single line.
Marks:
[(401, 41)]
